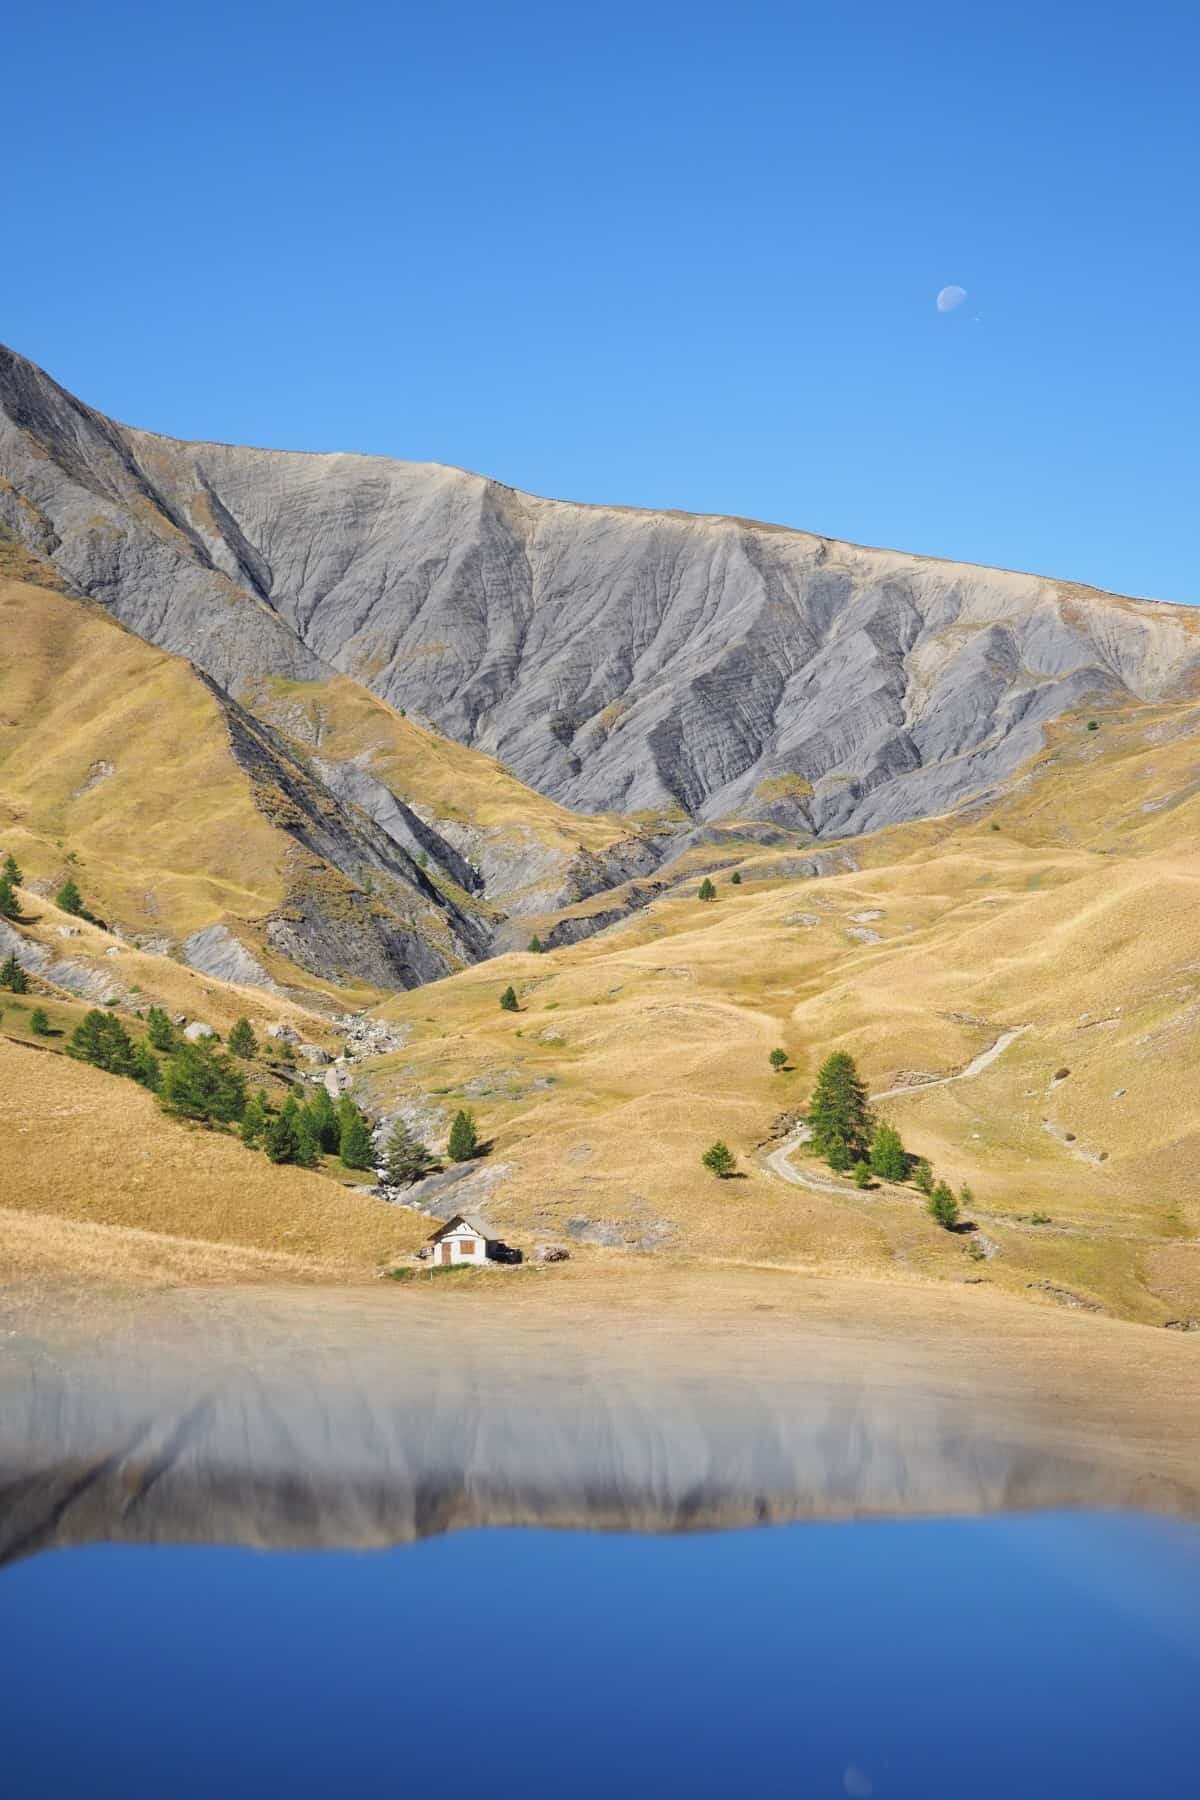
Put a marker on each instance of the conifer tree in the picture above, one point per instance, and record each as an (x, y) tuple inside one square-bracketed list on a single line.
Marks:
[(282, 1139), (308, 1152), (160, 1030), (13, 976), (736, 878), (536, 944), (778, 1060), (406, 1159), (254, 1120), (69, 899), (320, 1110), (943, 1207), (839, 1115), (203, 1083), (862, 1175), (464, 1139), (11, 871), (706, 890), (719, 1158), (508, 1000), (923, 1175), (10, 906), (39, 1022), (101, 1039), (889, 1160), (146, 1068), (355, 1145), (242, 1041)]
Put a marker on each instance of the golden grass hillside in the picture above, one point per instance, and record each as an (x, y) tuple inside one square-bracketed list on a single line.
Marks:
[(1068, 908), (84, 1150), (117, 754)]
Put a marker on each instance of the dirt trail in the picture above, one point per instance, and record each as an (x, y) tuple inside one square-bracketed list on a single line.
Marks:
[(777, 1161)]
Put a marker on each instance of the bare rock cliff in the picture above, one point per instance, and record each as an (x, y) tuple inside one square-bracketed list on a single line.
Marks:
[(614, 659)]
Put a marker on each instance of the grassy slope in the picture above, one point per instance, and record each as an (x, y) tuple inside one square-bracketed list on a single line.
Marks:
[(171, 839), (1075, 916), (84, 1149)]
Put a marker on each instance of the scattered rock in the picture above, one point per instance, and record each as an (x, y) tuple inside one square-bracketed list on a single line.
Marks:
[(1065, 1297), (867, 916), (862, 934), (1119, 1093), (805, 919), (551, 1253), (580, 1153), (67, 931), (197, 1031), (313, 1053), (1181, 1324), (284, 1033)]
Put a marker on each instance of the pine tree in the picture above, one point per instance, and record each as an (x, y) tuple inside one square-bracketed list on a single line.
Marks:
[(736, 878), (889, 1160), (160, 1030), (203, 1083), (778, 1060), (13, 976), (719, 1158), (923, 1175), (39, 1022), (536, 944), (508, 1000), (254, 1120), (839, 1115), (308, 1153), (101, 1039), (464, 1139), (320, 1110), (69, 899), (943, 1207), (11, 872), (10, 906), (242, 1041), (706, 890), (355, 1145), (281, 1140), (407, 1159), (146, 1067), (862, 1175)]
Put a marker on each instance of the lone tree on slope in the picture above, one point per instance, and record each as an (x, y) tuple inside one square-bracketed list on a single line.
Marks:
[(464, 1138), (508, 1000), (943, 1207), (706, 890), (778, 1060), (839, 1114), (242, 1041), (13, 976), (407, 1158), (69, 899), (719, 1158)]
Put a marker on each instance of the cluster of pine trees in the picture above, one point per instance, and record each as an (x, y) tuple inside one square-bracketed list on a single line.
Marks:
[(847, 1134)]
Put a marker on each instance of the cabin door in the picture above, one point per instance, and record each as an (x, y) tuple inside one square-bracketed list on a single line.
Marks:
[(447, 1252)]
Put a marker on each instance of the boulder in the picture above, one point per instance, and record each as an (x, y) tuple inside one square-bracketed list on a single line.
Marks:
[(551, 1253), (197, 1031), (313, 1053)]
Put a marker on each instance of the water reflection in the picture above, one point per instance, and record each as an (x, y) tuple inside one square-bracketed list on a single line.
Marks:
[(275, 1421)]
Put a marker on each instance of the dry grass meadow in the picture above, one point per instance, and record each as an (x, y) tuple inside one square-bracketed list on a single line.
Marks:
[(1068, 906)]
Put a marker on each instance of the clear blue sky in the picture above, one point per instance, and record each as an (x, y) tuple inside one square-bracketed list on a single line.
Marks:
[(669, 254)]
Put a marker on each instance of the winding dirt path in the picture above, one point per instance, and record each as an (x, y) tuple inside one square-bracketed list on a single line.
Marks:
[(777, 1161)]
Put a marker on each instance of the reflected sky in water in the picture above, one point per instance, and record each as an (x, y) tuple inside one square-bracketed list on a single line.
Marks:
[(1037, 1655)]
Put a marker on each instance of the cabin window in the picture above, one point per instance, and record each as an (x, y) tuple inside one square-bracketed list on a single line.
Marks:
[(467, 1246)]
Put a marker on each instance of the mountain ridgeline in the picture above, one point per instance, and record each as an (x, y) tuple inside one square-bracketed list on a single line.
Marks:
[(613, 661)]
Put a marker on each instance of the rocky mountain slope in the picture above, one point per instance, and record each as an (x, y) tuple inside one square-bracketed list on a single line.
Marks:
[(612, 658)]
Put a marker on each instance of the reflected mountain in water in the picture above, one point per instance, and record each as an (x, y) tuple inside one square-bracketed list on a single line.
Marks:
[(303, 1419)]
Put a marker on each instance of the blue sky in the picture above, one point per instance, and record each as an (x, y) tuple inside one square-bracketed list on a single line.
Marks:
[(665, 254)]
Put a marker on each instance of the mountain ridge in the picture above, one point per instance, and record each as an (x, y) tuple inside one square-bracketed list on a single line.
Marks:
[(617, 660)]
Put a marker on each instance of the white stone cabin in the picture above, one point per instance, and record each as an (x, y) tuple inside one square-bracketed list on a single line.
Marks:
[(464, 1240)]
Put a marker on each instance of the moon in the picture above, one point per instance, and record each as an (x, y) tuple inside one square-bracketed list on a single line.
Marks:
[(950, 297)]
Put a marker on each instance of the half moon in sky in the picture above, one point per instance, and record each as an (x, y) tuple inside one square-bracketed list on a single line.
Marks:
[(950, 297)]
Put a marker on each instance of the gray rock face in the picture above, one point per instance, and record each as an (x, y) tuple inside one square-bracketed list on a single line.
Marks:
[(214, 950), (75, 977), (612, 658)]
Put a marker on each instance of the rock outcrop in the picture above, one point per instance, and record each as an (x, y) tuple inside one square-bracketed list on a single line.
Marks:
[(613, 659)]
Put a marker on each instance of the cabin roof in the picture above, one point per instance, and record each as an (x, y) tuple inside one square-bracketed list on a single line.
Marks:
[(472, 1225)]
